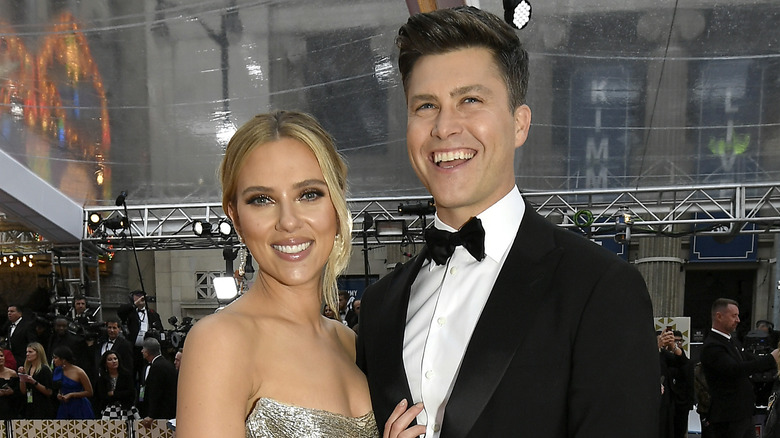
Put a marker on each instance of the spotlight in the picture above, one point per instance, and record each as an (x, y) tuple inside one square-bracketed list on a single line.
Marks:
[(517, 13), (117, 223), (225, 228), (420, 209), (200, 228), (225, 288), (94, 220), (389, 230)]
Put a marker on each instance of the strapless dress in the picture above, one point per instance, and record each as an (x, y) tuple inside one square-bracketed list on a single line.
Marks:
[(273, 419)]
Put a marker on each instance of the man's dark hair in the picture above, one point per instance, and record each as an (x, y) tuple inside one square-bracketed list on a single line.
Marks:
[(446, 30), (114, 320), (721, 304), (18, 306)]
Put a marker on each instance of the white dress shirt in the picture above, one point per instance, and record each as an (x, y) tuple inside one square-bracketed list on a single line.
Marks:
[(444, 307), (143, 317)]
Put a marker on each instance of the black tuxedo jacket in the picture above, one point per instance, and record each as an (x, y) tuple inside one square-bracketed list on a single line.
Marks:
[(23, 335), (129, 315), (727, 371), (160, 390), (124, 351), (565, 346)]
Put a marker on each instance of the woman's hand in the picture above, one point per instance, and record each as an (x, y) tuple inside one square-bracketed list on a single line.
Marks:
[(397, 426)]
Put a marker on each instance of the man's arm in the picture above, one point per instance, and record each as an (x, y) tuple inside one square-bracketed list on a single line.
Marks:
[(717, 357)]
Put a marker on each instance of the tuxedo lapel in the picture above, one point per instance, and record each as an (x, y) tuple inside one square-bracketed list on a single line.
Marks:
[(522, 285), (388, 356)]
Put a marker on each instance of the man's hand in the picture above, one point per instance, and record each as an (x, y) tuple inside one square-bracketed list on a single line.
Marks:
[(147, 422)]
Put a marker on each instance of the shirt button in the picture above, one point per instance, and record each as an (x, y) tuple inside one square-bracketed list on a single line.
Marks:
[(436, 427), (453, 270), (441, 321), (429, 374)]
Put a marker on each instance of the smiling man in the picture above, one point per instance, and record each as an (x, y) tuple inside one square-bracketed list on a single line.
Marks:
[(509, 326)]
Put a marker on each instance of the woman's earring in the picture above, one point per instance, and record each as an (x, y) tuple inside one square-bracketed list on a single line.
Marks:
[(241, 258), (242, 261)]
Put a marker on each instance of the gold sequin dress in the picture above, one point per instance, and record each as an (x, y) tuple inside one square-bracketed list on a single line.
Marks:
[(273, 419)]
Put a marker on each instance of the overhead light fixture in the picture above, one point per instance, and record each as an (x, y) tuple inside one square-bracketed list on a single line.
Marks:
[(420, 208), (388, 230), (117, 223), (517, 13), (225, 288), (95, 219), (200, 228), (225, 228)]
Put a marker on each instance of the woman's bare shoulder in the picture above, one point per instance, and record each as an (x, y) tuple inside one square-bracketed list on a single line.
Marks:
[(224, 330), (346, 335)]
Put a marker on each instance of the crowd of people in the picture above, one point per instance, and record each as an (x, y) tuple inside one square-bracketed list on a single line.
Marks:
[(728, 385), (70, 366)]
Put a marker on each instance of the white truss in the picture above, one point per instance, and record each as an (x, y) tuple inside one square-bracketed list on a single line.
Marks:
[(714, 209)]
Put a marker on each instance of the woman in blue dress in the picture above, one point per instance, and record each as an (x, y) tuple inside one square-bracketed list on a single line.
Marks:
[(74, 387)]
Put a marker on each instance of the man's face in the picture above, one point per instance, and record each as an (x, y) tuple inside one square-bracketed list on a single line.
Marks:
[(13, 314), (461, 134), (145, 355), (356, 306), (112, 329), (728, 319), (60, 327), (177, 360), (342, 302), (81, 306)]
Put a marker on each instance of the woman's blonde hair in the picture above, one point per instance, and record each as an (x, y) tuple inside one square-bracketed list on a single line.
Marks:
[(265, 128), (33, 368)]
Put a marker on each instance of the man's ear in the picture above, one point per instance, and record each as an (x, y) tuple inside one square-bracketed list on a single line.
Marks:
[(522, 124)]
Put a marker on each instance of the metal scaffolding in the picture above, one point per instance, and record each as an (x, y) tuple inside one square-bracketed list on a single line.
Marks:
[(711, 210)]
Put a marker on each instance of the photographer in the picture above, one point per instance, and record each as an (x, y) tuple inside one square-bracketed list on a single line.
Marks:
[(139, 319)]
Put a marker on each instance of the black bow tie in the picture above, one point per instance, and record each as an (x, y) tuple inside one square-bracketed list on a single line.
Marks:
[(441, 244)]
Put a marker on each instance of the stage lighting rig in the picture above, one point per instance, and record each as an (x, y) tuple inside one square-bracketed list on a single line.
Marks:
[(116, 223), (419, 209), (223, 228)]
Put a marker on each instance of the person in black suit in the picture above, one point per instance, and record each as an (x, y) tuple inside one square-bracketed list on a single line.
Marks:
[(727, 369), (20, 332), (346, 313), (138, 319), (116, 343), (159, 385), (510, 332)]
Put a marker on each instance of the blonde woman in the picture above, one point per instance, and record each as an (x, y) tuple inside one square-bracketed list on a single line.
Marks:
[(288, 371), (35, 384)]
